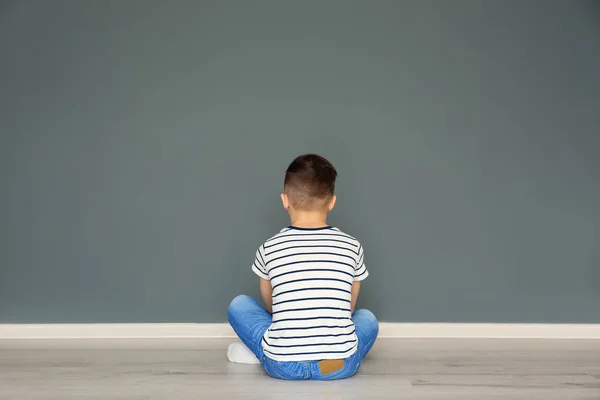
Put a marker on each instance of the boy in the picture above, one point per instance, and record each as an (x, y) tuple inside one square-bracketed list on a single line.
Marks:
[(310, 276)]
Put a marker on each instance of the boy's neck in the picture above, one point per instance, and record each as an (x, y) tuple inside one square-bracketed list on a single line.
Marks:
[(308, 219)]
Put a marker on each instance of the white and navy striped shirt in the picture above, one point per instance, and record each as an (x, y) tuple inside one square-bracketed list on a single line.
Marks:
[(311, 273)]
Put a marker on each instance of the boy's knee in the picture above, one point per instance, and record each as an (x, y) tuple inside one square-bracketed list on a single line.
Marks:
[(366, 314), (240, 299), (367, 318), (237, 304)]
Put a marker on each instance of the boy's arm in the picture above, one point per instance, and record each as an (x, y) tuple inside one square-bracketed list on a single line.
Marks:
[(360, 273), (259, 268), (355, 289), (267, 292)]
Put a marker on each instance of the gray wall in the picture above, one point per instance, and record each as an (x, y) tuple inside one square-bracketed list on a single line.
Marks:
[(143, 145)]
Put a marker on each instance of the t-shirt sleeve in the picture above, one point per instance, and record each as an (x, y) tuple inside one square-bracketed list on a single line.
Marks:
[(259, 266), (360, 272)]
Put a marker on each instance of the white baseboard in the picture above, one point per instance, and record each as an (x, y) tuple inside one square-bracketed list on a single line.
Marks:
[(223, 330)]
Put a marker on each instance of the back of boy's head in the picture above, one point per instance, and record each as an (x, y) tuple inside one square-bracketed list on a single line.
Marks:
[(310, 182)]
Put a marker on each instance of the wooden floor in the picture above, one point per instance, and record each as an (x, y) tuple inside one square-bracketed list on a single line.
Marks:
[(396, 369)]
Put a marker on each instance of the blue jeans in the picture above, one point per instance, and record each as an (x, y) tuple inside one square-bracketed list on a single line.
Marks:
[(250, 321)]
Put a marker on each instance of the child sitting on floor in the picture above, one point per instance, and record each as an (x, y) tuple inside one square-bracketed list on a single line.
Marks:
[(310, 276)]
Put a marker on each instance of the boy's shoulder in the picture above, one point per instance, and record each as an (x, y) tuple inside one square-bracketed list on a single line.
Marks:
[(292, 233)]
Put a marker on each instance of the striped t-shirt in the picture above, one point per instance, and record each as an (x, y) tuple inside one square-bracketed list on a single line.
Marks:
[(311, 272)]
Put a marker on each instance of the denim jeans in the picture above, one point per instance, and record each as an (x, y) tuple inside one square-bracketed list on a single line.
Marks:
[(250, 321)]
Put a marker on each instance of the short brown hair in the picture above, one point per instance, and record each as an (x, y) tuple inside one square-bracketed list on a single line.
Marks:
[(310, 181)]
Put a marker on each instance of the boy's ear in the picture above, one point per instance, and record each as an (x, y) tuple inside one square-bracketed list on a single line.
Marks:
[(285, 201), (331, 203)]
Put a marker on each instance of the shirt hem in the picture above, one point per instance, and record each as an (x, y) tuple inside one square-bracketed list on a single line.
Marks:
[(312, 357)]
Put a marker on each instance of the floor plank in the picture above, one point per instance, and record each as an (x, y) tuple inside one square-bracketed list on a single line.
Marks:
[(396, 368)]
